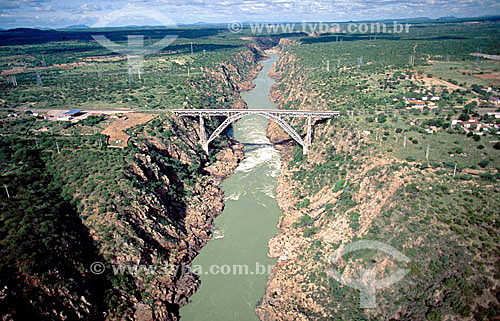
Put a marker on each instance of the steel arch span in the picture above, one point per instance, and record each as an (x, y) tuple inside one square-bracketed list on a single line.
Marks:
[(271, 114)]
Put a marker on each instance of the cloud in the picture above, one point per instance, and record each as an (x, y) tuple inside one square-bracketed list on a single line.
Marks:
[(14, 4), (57, 13)]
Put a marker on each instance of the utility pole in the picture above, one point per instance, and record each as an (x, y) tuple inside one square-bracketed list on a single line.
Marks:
[(404, 142), (191, 48), (129, 74), (427, 154), (6, 190), (58, 151), (328, 65), (455, 170)]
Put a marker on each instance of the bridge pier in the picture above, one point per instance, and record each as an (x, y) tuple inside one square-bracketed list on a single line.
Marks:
[(202, 134), (307, 142)]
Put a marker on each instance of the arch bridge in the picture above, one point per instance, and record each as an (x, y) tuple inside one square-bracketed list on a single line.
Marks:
[(271, 114)]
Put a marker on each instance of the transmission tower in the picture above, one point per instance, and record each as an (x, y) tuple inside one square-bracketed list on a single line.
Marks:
[(13, 80), (39, 82)]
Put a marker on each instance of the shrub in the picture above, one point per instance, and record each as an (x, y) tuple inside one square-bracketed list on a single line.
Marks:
[(433, 315), (411, 188), (484, 163), (308, 232), (305, 220), (382, 118), (339, 184), (354, 216), (487, 176)]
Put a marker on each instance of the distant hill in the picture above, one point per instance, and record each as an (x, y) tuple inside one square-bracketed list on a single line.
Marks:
[(77, 27), (22, 36), (26, 31)]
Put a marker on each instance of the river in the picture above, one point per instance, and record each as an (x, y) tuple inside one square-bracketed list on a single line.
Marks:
[(233, 266)]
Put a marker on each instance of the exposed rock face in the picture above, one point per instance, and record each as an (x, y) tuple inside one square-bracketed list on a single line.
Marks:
[(170, 230), (227, 160), (289, 294), (286, 297)]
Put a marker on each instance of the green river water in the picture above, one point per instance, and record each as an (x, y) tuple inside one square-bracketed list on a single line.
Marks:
[(245, 226)]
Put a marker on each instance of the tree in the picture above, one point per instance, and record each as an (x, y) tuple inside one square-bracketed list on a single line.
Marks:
[(464, 117), (469, 108)]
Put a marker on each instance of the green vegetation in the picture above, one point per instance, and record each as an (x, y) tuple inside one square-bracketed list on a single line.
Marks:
[(399, 175), (84, 74)]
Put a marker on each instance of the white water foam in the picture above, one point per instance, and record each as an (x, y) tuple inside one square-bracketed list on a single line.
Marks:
[(268, 190), (256, 157), (218, 233), (235, 196)]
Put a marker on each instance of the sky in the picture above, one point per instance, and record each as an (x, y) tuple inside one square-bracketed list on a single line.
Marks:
[(62, 13)]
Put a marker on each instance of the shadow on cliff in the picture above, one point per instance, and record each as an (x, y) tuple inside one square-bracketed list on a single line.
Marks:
[(47, 252), (249, 147)]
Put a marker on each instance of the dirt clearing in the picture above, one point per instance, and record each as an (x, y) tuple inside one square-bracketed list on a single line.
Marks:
[(115, 131)]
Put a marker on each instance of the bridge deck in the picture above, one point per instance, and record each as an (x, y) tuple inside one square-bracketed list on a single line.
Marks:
[(228, 112)]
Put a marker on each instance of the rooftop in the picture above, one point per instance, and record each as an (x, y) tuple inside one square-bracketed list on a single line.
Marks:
[(73, 112)]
